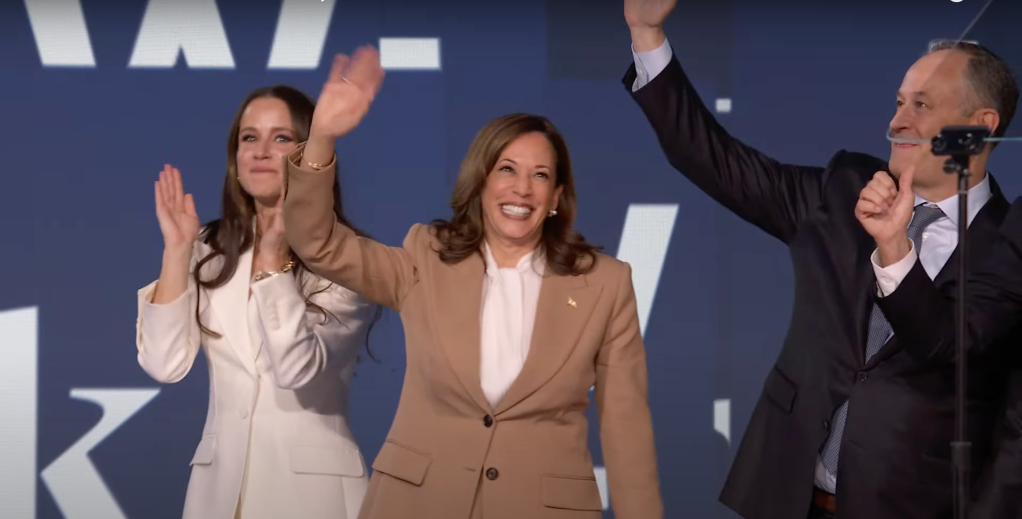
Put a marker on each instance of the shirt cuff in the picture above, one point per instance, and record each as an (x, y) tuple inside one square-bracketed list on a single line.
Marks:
[(649, 65), (889, 277)]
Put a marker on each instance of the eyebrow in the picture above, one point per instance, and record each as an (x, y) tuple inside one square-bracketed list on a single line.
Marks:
[(515, 163), (915, 94), (274, 129)]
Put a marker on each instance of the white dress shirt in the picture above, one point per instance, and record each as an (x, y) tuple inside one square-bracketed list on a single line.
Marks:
[(649, 65), (508, 313), (940, 238)]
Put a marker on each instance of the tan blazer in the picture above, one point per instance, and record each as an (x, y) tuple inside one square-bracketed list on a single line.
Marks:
[(449, 455)]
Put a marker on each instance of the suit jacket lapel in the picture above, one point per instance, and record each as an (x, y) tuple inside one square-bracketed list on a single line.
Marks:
[(458, 292), (230, 303), (981, 233), (849, 247), (865, 291), (559, 323)]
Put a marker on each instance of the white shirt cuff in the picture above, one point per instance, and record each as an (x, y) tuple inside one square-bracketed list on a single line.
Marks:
[(649, 65), (889, 277)]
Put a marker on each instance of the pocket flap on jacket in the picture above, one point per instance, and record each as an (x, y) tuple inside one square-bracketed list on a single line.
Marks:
[(571, 493), (401, 462), (337, 461), (204, 452)]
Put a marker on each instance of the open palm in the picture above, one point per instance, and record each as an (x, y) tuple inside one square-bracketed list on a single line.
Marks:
[(348, 92), (648, 13), (175, 210)]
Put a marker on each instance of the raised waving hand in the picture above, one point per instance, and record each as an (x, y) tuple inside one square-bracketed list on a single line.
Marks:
[(348, 92), (179, 224), (645, 20), (648, 13), (175, 211)]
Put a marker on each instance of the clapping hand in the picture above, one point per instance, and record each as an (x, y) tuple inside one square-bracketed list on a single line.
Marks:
[(175, 211), (272, 249)]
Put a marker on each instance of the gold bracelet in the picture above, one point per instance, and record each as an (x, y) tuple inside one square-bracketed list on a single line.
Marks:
[(315, 166), (286, 268)]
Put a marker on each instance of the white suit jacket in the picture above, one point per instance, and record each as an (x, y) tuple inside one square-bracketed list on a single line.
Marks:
[(276, 442)]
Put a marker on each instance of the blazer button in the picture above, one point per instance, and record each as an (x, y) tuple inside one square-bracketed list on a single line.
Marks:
[(491, 473), (826, 425), (862, 376), (487, 420)]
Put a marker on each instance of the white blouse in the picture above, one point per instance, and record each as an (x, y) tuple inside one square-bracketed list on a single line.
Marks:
[(510, 298)]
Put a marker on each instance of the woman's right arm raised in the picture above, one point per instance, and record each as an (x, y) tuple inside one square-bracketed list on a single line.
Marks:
[(167, 334), (330, 249)]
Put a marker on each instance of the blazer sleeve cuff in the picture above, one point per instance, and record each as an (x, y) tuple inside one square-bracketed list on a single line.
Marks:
[(889, 277), (158, 319), (274, 293), (917, 301), (650, 64)]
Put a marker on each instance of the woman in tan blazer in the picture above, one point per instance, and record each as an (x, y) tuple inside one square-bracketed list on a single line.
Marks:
[(510, 318)]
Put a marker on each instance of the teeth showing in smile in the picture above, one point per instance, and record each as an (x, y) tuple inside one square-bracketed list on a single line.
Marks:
[(516, 210)]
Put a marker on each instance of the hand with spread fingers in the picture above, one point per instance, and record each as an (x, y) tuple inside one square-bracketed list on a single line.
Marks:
[(347, 94), (179, 224), (175, 211)]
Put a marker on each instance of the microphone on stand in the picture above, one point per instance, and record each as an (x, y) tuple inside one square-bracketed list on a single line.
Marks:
[(959, 143)]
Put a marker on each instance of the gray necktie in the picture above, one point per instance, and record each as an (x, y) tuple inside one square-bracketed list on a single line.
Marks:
[(879, 333)]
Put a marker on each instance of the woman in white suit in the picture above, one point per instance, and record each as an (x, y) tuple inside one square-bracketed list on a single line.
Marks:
[(280, 342)]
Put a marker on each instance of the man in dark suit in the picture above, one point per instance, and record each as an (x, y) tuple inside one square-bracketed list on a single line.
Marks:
[(921, 312), (847, 410)]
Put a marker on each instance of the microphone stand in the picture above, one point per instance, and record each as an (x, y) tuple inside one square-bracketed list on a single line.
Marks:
[(960, 143), (961, 448)]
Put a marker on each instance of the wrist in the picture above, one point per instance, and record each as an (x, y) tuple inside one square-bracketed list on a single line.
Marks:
[(893, 250), (269, 270), (319, 150), (321, 139), (647, 38), (272, 260), (177, 252)]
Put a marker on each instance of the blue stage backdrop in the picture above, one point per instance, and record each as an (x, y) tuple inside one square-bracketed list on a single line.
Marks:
[(98, 94)]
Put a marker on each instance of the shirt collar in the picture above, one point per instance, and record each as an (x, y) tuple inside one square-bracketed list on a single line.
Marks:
[(532, 260), (978, 197)]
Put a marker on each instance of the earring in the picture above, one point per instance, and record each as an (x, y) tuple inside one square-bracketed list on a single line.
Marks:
[(551, 213)]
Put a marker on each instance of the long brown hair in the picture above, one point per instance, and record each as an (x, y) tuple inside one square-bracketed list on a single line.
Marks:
[(567, 252), (234, 232)]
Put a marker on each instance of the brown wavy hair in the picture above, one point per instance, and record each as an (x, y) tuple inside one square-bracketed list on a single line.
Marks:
[(234, 232), (567, 252)]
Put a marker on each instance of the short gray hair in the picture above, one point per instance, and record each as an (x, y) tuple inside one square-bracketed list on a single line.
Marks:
[(992, 83)]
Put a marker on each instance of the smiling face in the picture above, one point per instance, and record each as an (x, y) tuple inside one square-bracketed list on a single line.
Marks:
[(520, 191), (934, 93), (266, 135)]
